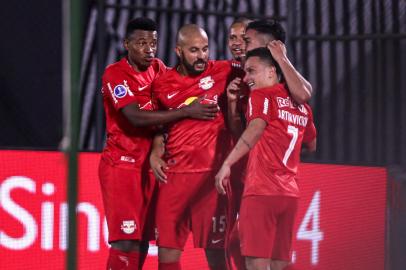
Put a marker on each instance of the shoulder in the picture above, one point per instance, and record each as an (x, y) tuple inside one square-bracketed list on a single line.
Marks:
[(167, 79), (158, 65)]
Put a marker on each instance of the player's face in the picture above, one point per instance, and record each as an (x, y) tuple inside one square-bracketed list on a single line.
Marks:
[(258, 74), (254, 40), (236, 43), (141, 47), (194, 54)]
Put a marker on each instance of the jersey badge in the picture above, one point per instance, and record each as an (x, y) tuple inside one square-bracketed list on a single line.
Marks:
[(128, 226), (206, 83), (120, 91)]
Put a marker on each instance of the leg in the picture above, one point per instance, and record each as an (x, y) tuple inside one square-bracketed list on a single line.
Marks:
[(169, 258), (215, 258), (126, 216), (255, 263), (278, 265), (124, 254)]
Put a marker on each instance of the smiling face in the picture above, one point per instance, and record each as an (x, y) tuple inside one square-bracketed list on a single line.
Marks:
[(259, 74), (236, 43), (141, 46)]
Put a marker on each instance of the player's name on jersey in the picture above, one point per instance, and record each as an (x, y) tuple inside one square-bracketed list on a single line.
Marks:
[(292, 118)]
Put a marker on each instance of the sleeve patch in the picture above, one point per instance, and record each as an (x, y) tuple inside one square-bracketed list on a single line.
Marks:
[(120, 91)]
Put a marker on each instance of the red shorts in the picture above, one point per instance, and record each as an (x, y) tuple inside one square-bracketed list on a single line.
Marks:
[(266, 226), (190, 202), (129, 199)]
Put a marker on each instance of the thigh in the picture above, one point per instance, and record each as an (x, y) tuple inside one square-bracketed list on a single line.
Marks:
[(257, 226), (127, 198), (173, 209), (208, 210), (284, 230)]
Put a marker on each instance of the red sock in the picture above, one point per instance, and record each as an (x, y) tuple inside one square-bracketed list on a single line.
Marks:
[(120, 260), (169, 266)]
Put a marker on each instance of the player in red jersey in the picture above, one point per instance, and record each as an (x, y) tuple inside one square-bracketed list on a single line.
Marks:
[(187, 200), (258, 33), (276, 129), (127, 189)]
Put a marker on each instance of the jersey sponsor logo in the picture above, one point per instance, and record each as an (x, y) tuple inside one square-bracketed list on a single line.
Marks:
[(120, 91), (206, 83), (283, 102), (127, 159), (142, 88), (171, 95), (189, 101), (128, 226), (286, 102)]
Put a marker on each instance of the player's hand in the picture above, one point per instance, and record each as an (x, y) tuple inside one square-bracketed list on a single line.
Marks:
[(201, 111), (222, 178), (158, 166), (234, 89), (278, 50)]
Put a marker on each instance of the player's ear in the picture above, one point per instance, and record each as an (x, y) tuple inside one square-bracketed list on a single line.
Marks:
[(126, 43), (272, 72), (178, 51)]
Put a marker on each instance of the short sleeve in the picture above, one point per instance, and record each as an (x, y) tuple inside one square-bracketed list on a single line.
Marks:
[(310, 131), (259, 104), (118, 89)]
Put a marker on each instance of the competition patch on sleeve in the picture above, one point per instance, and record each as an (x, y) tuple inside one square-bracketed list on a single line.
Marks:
[(120, 91)]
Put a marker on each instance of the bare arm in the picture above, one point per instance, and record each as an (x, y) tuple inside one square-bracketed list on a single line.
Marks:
[(142, 118), (299, 87), (247, 141), (233, 117), (158, 165)]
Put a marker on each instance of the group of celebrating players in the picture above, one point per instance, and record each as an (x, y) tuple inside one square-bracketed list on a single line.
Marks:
[(209, 147)]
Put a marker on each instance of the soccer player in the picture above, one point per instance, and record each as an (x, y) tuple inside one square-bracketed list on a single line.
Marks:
[(195, 149), (236, 34), (127, 190), (276, 129)]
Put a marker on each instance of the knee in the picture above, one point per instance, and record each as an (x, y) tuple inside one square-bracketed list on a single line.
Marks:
[(215, 258), (257, 263), (126, 245), (168, 255)]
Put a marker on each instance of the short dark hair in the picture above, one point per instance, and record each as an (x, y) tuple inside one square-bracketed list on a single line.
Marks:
[(268, 27), (265, 55), (242, 20), (141, 23)]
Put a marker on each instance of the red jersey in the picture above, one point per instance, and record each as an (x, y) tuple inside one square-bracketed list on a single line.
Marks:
[(127, 145), (273, 162), (195, 145)]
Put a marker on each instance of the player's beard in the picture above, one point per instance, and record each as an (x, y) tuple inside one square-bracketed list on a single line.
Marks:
[(191, 67)]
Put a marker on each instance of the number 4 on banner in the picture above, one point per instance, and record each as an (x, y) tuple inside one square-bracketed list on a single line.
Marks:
[(312, 220)]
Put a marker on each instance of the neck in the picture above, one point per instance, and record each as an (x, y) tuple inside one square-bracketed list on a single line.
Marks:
[(182, 70)]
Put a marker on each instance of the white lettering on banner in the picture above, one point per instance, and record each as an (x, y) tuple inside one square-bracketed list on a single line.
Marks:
[(312, 220), (47, 218), (19, 213)]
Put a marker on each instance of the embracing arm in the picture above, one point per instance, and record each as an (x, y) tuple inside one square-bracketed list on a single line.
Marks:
[(142, 118), (299, 87), (233, 116)]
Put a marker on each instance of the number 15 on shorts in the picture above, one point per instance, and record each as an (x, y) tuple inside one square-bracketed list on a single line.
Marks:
[(219, 224)]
